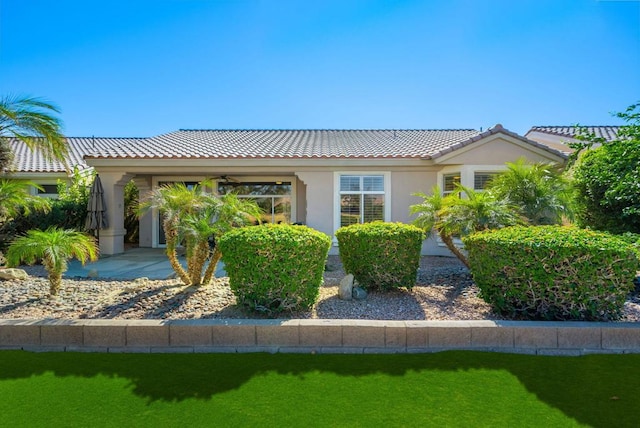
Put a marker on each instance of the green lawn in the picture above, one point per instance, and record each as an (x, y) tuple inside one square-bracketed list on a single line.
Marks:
[(290, 390)]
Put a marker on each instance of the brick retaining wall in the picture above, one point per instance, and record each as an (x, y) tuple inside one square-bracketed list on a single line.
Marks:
[(322, 336)]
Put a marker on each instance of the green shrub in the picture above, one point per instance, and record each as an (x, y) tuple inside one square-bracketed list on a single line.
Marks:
[(381, 255), (275, 268), (64, 214), (552, 272)]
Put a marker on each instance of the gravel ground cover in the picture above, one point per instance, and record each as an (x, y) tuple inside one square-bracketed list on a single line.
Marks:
[(445, 291)]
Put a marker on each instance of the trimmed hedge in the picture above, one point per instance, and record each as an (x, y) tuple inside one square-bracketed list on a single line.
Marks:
[(275, 267), (552, 272), (381, 255)]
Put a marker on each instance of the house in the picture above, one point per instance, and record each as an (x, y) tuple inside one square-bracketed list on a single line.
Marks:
[(322, 178), (558, 137)]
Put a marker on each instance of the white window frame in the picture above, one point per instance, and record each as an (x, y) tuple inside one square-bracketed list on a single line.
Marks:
[(446, 174), (34, 191), (467, 179), (337, 193), (485, 172)]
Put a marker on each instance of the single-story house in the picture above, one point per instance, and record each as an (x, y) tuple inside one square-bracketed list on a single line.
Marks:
[(558, 137), (322, 178)]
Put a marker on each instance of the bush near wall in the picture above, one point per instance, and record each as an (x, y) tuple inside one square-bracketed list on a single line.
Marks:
[(65, 214), (275, 268), (552, 272), (381, 255)]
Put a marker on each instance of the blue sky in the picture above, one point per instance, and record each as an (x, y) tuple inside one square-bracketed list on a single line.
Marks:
[(142, 68)]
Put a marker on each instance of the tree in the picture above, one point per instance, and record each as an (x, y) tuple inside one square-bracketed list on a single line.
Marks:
[(32, 121), (55, 247), (195, 218), (454, 215), (15, 199), (607, 180), (539, 190)]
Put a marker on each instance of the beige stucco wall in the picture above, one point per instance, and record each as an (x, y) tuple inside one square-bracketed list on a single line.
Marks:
[(403, 185), (319, 204), (497, 150)]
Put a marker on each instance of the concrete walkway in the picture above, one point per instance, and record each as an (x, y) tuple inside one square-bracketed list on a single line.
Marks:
[(133, 263)]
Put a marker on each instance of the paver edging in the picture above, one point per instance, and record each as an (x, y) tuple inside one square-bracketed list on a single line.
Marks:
[(319, 336)]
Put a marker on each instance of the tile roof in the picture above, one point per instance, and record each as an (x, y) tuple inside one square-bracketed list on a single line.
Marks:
[(609, 133), (266, 144), (290, 144), (25, 160)]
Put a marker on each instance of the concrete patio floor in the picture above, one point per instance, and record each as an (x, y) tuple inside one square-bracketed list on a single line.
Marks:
[(133, 263)]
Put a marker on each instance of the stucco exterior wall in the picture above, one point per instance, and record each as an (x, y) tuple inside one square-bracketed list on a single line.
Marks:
[(319, 201), (496, 151), (403, 185)]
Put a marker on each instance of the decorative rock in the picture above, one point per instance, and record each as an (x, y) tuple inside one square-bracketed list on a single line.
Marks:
[(359, 293), (12, 273), (345, 292)]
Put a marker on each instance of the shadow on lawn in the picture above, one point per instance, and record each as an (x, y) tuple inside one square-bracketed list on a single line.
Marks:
[(597, 390)]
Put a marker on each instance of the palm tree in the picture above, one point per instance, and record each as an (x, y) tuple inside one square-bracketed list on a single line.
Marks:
[(172, 201), (32, 121), (195, 218), (543, 195), (454, 215), (231, 212), (55, 247), (16, 199)]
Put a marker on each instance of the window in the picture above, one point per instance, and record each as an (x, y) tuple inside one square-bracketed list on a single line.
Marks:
[(273, 197), (362, 198), (481, 179), (449, 182), (48, 189)]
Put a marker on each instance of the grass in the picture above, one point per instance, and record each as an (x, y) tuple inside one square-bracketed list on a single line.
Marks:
[(458, 388)]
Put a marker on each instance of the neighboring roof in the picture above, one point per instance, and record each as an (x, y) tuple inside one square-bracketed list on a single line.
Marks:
[(609, 133), (303, 144), (25, 160)]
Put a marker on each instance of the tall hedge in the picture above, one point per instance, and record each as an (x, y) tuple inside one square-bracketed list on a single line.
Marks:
[(552, 272), (381, 255), (275, 268), (606, 181)]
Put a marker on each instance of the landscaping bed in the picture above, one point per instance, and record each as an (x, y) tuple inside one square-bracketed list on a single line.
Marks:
[(444, 291)]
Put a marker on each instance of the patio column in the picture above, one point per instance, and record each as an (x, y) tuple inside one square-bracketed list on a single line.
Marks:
[(145, 222), (112, 238), (319, 193)]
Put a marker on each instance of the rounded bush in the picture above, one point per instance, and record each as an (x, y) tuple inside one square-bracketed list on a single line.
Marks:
[(552, 272), (381, 255), (275, 268)]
